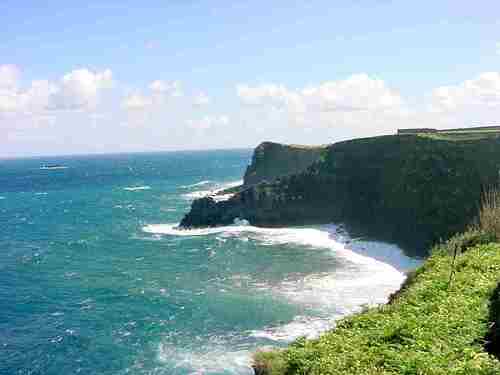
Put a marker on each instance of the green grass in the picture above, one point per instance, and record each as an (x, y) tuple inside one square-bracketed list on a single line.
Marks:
[(431, 326), (462, 135)]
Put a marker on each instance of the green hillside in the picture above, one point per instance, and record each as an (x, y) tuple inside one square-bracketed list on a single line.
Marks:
[(433, 326)]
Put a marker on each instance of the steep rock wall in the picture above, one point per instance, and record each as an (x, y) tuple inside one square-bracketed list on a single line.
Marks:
[(271, 160), (411, 190)]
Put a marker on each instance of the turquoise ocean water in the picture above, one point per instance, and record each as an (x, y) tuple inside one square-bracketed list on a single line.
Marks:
[(95, 278)]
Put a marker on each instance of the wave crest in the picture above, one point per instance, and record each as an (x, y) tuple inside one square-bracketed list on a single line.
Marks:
[(137, 188), (217, 188)]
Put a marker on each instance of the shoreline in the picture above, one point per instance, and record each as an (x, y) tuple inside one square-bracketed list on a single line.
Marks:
[(370, 258)]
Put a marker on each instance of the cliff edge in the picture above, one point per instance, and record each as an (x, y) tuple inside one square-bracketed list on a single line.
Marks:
[(272, 160), (412, 190)]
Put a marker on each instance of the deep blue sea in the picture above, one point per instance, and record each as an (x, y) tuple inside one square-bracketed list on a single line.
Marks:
[(96, 279)]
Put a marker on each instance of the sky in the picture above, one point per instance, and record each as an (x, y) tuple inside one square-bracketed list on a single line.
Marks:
[(127, 76)]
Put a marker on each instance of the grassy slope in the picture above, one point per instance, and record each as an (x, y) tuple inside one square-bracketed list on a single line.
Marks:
[(428, 329)]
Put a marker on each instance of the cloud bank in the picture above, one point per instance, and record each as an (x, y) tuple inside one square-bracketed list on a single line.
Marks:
[(171, 114)]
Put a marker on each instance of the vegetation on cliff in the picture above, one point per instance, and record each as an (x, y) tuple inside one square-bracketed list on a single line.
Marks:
[(413, 190), (433, 326)]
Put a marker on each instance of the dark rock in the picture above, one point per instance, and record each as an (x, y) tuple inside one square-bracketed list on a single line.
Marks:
[(273, 160), (411, 190)]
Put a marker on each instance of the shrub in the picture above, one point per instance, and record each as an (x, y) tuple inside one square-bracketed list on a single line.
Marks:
[(489, 214), (267, 362), (460, 242)]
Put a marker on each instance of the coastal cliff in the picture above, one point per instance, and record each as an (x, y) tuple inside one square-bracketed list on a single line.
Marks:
[(272, 160), (410, 189)]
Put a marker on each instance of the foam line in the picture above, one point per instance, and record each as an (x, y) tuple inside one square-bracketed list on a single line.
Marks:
[(211, 192), (136, 188), (359, 280)]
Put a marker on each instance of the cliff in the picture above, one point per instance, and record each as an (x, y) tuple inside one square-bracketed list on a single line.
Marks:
[(412, 190), (272, 160)]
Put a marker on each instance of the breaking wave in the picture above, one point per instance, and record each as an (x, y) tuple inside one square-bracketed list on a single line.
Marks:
[(136, 188), (368, 273), (216, 188), (201, 183), (214, 358)]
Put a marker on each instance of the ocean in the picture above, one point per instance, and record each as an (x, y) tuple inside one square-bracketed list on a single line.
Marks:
[(96, 279)]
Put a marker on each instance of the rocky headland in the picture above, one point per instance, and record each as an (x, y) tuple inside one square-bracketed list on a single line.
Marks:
[(409, 189)]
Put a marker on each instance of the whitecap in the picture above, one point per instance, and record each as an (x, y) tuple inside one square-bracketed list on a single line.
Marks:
[(2, 198), (168, 209), (197, 194), (230, 184), (213, 359), (368, 273), (214, 191), (53, 167), (41, 193), (201, 183), (136, 188), (300, 326)]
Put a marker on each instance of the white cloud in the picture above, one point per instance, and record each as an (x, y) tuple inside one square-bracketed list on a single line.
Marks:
[(159, 91), (80, 89), (136, 102), (356, 93), (201, 99), (273, 94), (9, 77), (33, 99), (359, 105), (354, 101), (208, 122), (167, 88), (482, 91)]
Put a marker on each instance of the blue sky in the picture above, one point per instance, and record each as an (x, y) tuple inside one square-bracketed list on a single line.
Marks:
[(234, 73)]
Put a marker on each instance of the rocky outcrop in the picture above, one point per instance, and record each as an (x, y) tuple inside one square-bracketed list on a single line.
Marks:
[(412, 190), (272, 160)]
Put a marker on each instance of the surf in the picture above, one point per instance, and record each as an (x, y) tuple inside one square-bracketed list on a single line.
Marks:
[(360, 280)]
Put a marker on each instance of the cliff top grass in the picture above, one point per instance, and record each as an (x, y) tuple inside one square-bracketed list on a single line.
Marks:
[(432, 326), (462, 135)]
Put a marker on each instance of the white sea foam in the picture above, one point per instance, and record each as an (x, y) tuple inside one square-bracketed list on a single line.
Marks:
[(217, 188), (227, 185), (368, 273), (168, 209), (300, 326), (216, 358), (197, 194), (136, 188), (201, 183), (54, 167), (41, 193)]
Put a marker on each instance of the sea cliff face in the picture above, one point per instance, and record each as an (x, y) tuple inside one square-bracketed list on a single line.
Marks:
[(272, 160), (411, 189)]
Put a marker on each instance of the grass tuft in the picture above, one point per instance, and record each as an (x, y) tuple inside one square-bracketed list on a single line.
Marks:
[(489, 214)]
